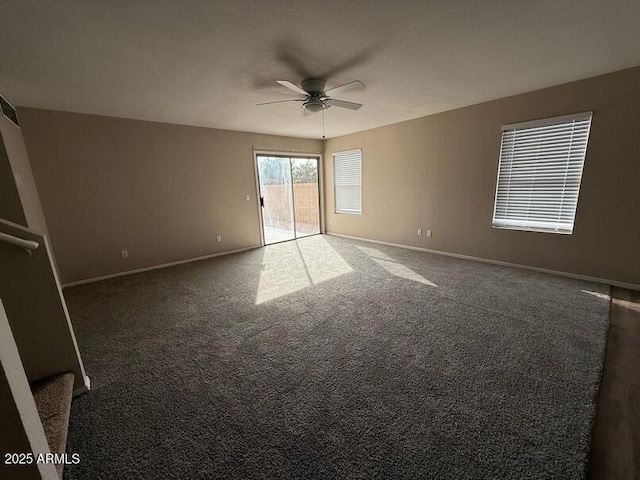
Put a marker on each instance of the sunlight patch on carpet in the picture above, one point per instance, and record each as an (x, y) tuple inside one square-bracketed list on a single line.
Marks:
[(393, 267), (292, 266), (604, 296)]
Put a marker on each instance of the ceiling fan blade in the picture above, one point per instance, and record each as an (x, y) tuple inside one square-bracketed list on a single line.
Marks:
[(282, 101), (292, 86), (341, 103), (342, 89)]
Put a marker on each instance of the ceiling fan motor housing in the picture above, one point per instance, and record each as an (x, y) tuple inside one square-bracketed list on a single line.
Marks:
[(313, 85), (315, 88)]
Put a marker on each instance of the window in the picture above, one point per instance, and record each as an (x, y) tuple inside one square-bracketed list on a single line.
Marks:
[(539, 173), (347, 171)]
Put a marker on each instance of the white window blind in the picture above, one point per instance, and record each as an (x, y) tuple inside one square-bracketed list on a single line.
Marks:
[(539, 173), (348, 181)]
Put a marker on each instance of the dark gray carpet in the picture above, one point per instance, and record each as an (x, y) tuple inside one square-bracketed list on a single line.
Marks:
[(329, 358)]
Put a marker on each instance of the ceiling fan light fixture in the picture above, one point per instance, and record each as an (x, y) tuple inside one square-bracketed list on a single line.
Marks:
[(314, 107)]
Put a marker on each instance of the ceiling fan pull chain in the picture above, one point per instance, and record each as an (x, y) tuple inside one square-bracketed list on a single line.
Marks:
[(323, 123)]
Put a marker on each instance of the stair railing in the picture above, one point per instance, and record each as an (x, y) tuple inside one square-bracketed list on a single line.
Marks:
[(28, 245)]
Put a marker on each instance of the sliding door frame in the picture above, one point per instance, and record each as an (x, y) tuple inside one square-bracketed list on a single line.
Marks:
[(285, 154)]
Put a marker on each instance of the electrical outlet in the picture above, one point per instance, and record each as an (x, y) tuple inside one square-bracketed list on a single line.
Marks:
[(428, 233), (125, 253), (219, 238), (419, 232), (247, 198)]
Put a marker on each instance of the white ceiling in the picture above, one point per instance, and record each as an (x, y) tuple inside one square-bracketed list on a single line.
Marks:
[(207, 63)]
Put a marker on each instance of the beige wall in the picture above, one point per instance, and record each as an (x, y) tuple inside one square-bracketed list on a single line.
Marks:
[(19, 161), (439, 173), (163, 192)]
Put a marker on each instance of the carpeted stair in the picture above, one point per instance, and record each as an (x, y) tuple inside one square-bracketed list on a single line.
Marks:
[(53, 399)]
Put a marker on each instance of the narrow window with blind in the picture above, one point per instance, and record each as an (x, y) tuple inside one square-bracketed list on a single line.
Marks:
[(539, 173), (347, 171)]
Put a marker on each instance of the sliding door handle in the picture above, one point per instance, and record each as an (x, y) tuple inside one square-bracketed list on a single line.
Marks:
[(262, 201)]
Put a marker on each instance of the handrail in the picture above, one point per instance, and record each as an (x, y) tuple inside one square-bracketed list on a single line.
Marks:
[(28, 245)]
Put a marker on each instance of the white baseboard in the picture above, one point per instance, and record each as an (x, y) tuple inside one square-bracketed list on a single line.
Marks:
[(84, 388), (156, 267), (615, 283)]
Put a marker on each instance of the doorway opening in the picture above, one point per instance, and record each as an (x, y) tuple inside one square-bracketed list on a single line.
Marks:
[(289, 196)]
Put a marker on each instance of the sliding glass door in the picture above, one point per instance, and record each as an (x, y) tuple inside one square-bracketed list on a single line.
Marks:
[(276, 198), (306, 196), (290, 197)]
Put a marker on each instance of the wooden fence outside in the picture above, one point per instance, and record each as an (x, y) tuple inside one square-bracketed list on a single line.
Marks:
[(278, 207)]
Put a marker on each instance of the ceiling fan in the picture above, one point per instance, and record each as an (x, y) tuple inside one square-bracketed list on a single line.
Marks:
[(316, 98)]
